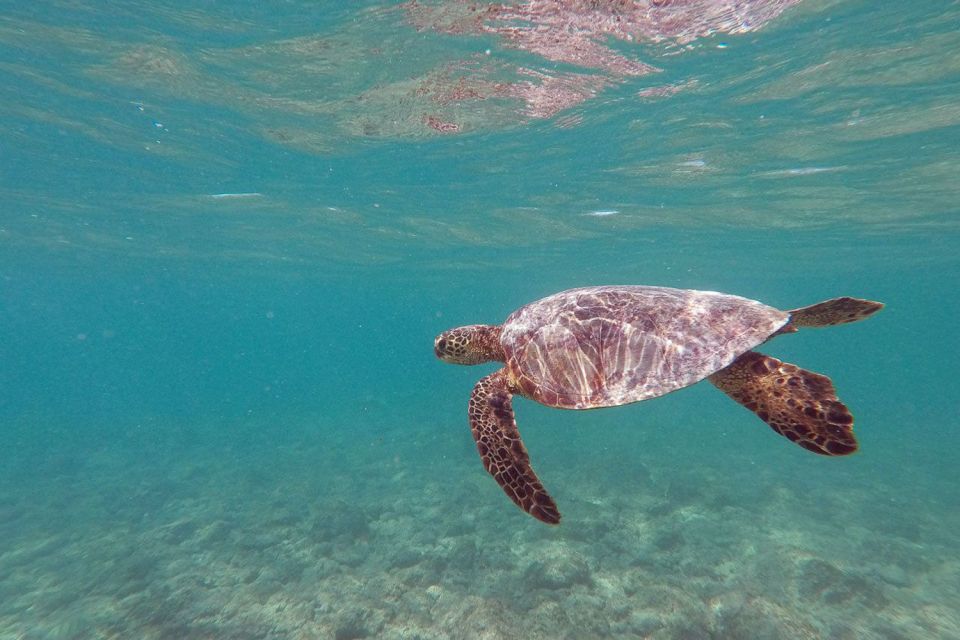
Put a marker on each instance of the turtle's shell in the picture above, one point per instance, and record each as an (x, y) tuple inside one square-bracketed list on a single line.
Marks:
[(607, 346)]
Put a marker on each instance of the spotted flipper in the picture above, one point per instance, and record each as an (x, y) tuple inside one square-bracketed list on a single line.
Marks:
[(797, 403), (835, 311), (502, 450)]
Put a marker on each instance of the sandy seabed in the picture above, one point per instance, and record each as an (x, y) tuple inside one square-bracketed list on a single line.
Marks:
[(350, 536)]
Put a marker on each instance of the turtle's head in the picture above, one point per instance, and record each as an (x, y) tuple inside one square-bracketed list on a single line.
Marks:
[(472, 344)]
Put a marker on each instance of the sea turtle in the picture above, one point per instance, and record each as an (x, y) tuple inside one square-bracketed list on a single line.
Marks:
[(612, 345)]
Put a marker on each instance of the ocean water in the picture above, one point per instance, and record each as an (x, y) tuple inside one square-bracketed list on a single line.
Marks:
[(229, 233)]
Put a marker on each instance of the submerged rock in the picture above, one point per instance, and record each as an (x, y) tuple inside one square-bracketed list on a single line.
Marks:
[(355, 623), (559, 568)]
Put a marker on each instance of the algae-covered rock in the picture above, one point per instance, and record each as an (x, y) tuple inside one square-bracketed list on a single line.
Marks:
[(557, 568)]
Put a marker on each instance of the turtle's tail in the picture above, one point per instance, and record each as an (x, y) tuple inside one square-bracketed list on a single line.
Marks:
[(835, 311)]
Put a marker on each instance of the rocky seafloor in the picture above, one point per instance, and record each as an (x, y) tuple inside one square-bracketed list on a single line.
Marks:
[(265, 532)]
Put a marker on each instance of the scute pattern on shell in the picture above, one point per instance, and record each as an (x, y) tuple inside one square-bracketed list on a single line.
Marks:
[(607, 346)]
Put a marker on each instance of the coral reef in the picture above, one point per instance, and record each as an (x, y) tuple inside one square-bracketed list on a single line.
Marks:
[(350, 535)]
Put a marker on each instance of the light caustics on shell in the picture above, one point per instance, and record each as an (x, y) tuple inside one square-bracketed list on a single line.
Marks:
[(605, 346)]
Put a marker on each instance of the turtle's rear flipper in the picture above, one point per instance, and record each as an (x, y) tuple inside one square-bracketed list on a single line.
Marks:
[(835, 311), (502, 450), (797, 403)]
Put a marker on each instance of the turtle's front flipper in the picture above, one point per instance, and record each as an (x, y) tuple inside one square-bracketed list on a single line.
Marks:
[(502, 450), (797, 403)]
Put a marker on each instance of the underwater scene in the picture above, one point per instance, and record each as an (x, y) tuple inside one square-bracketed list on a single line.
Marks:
[(233, 234)]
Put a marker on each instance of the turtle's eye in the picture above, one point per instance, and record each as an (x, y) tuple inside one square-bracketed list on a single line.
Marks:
[(442, 346)]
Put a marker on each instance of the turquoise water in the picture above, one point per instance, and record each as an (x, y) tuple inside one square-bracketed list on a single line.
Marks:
[(231, 231)]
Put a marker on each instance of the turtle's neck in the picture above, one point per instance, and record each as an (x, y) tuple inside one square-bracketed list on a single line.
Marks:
[(487, 343)]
